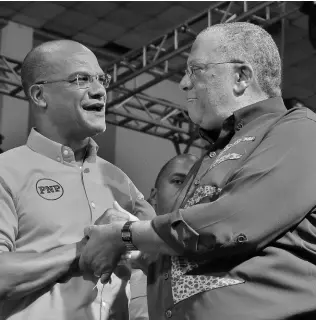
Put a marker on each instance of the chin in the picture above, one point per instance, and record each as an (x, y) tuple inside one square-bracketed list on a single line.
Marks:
[(93, 130), (99, 130)]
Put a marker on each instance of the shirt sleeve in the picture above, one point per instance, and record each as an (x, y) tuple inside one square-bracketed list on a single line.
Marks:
[(141, 208), (8, 218), (270, 193)]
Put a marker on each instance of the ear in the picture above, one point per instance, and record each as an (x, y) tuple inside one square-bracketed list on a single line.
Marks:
[(36, 94), (152, 198), (244, 76)]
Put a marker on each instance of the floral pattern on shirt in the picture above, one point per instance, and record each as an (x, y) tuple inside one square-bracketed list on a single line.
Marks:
[(184, 285)]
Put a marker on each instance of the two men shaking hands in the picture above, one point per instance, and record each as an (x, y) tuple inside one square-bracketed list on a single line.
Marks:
[(102, 249)]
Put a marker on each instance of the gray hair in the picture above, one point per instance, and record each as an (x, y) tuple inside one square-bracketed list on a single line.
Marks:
[(248, 42)]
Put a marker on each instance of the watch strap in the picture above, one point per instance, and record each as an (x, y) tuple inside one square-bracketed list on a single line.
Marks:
[(127, 238)]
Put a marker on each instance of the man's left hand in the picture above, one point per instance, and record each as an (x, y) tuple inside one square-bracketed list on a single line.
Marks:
[(104, 249)]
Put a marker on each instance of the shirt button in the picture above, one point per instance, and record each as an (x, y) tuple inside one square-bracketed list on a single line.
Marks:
[(166, 276), (241, 238), (212, 154), (197, 182), (58, 159), (86, 170), (168, 314), (103, 304), (66, 152), (93, 205), (239, 126)]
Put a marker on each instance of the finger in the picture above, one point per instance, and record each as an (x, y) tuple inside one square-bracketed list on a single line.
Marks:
[(119, 208), (87, 231), (116, 206), (106, 278), (81, 264)]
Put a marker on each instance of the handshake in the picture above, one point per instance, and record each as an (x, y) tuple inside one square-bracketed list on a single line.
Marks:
[(102, 248)]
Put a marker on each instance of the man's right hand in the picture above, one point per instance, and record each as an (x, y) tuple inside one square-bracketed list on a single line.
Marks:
[(119, 214)]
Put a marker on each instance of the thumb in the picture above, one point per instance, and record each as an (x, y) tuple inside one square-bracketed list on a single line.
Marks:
[(116, 206), (88, 230)]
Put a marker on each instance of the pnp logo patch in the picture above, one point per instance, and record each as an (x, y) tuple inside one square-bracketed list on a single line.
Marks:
[(49, 189)]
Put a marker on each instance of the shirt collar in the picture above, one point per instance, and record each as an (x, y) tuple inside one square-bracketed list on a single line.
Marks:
[(56, 151), (243, 116)]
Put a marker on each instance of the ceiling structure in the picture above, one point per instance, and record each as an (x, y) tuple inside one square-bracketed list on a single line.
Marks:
[(144, 43)]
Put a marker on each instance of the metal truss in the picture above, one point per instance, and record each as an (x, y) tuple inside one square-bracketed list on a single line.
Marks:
[(130, 105)]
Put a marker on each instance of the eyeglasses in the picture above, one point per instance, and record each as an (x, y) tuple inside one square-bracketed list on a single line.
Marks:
[(83, 81), (190, 71)]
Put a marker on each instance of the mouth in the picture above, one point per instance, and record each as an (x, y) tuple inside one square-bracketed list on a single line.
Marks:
[(96, 107), (191, 99)]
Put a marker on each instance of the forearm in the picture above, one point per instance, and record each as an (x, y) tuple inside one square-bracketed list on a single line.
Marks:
[(147, 240), (24, 273)]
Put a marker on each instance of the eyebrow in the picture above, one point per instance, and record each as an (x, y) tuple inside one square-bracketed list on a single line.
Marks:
[(84, 72), (178, 174)]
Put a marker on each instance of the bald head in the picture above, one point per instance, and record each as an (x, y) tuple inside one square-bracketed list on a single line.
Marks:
[(169, 181), (179, 162), (250, 43), (42, 61)]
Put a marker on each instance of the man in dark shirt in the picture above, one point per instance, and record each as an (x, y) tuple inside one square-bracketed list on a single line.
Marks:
[(240, 243)]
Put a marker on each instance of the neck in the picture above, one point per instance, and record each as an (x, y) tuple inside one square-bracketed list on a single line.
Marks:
[(77, 144)]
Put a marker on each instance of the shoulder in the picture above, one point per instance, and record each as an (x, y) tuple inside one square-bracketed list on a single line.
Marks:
[(112, 171), (13, 166), (14, 158), (297, 124)]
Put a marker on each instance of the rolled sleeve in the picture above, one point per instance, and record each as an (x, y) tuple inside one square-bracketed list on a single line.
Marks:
[(270, 193), (8, 219), (176, 232)]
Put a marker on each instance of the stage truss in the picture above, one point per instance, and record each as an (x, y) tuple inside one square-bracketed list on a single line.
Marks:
[(130, 105)]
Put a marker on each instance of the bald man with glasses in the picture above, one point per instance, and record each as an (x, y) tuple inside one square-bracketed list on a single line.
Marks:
[(55, 186)]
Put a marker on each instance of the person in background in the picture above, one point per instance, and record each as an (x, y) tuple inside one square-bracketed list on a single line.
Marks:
[(55, 186), (166, 189)]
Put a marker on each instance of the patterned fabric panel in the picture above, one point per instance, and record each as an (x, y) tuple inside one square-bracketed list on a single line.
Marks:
[(183, 285), (203, 192)]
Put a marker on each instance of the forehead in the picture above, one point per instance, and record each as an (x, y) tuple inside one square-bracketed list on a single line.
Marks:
[(180, 166), (69, 61), (204, 48)]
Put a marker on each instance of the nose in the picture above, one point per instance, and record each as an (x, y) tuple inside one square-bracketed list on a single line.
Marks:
[(186, 83), (97, 90)]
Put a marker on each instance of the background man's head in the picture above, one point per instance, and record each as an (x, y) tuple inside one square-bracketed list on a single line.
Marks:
[(230, 66), (169, 181), (63, 104)]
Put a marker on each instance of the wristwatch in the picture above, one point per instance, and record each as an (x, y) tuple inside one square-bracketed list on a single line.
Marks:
[(126, 234)]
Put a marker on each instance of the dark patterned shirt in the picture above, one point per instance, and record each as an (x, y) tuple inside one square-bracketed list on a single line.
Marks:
[(247, 233)]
